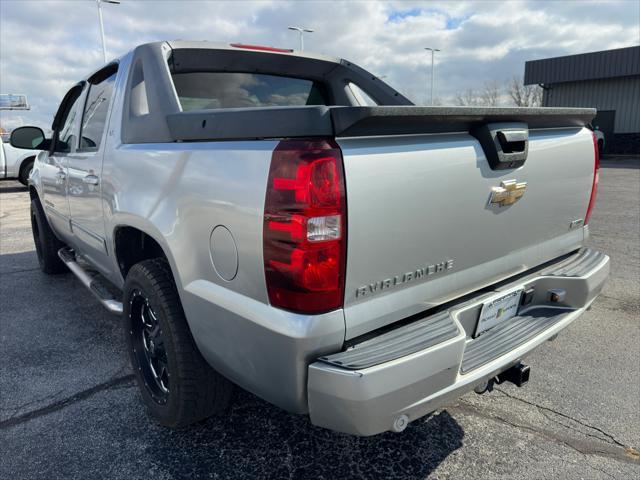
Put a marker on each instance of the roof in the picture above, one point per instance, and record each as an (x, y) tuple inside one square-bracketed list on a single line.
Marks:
[(234, 46), (219, 46), (621, 62)]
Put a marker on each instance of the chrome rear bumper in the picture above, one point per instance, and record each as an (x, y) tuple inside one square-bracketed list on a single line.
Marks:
[(383, 383)]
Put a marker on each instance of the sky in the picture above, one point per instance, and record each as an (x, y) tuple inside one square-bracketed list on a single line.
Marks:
[(46, 46)]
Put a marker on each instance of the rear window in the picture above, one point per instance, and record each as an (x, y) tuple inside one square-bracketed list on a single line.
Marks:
[(206, 90)]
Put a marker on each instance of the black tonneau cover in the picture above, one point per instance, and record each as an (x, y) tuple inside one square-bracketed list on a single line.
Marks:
[(392, 120), (341, 121)]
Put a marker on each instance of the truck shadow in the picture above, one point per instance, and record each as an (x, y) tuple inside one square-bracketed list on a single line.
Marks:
[(252, 439), (12, 187), (256, 439), (612, 162)]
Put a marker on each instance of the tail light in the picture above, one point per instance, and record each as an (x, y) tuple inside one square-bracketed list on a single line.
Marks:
[(261, 48), (305, 226), (596, 175)]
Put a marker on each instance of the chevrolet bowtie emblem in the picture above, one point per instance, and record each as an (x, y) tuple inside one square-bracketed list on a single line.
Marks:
[(508, 193)]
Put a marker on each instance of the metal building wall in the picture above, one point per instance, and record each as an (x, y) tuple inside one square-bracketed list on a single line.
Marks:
[(621, 62), (619, 94)]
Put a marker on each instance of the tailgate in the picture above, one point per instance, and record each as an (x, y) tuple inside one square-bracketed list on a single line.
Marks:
[(421, 230)]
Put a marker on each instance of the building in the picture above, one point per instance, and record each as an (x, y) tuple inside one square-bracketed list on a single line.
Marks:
[(607, 80)]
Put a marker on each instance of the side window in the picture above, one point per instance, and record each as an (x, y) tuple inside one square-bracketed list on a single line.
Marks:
[(361, 96), (96, 109), (66, 134)]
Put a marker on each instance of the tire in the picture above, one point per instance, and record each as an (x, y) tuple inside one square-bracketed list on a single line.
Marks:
[(47, 244), (178, 386), (25, 171)]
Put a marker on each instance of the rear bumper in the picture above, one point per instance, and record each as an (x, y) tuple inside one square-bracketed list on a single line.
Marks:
[(367, 389)]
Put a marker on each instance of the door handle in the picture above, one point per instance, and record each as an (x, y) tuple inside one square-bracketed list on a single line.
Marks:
[(505, 145), (513, 141), (91, 180)]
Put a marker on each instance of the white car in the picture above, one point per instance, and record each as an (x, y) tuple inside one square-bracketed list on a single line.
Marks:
[(16, 163), (599, 138)]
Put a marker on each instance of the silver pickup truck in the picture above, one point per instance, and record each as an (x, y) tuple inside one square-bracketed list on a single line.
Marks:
[(291, 224)]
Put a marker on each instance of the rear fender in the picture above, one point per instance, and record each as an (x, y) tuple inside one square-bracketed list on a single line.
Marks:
[(144, 225)]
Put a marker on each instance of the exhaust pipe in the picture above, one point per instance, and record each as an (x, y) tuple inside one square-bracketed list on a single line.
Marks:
[(485, 387)]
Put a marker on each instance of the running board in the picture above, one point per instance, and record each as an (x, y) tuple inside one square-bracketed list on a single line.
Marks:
[(94, 283)]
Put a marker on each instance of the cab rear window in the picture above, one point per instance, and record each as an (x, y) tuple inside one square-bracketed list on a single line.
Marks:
[(207, 90)]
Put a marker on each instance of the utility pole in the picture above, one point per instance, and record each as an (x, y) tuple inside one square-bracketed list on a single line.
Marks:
[(104, 46), (433, 72), (301, 31)]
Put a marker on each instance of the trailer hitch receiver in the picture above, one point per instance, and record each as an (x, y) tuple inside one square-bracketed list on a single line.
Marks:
[(518, 375)]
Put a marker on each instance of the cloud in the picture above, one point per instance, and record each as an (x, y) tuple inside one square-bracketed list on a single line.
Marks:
[(47, 46)]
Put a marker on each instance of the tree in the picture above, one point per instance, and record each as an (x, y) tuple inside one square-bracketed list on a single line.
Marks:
[(468, 98), (524, 95), (490, 95)]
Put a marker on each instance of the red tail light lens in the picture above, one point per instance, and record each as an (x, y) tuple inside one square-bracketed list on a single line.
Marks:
[(305, 226), (596, 176)]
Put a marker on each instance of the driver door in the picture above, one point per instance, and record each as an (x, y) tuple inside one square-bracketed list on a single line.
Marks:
[(53, 164)]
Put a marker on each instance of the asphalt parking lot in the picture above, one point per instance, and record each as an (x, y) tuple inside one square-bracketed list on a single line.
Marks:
[(69, 407)]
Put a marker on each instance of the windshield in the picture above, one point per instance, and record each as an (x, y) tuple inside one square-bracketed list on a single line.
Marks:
[(207, 90)]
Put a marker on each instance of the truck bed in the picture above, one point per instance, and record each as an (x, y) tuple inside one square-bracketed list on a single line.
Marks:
[(421, 230)]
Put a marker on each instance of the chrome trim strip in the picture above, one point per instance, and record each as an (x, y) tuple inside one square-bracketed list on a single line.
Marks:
[(52, 210), (93, 235)]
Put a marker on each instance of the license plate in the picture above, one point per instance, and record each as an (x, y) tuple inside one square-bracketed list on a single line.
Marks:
[(498, 311)]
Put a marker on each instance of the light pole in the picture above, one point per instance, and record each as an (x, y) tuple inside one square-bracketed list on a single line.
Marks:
[(433, 73), (301, 31), (99, 3)]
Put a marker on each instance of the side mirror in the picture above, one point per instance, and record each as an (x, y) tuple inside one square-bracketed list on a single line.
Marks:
[(31, 138)]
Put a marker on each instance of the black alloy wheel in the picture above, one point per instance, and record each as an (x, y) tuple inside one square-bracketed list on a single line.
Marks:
[(149, 347), (177, 384)]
